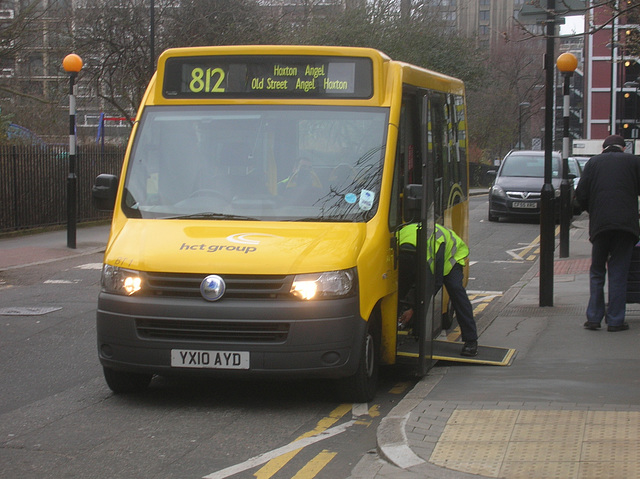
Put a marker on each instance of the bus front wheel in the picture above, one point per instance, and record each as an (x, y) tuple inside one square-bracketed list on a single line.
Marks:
[(362, 386)]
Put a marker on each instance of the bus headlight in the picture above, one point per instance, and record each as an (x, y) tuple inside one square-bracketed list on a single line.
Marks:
[(120, 281), (330, 284)]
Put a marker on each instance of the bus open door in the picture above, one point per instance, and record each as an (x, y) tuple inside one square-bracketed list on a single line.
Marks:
[(424, 205)]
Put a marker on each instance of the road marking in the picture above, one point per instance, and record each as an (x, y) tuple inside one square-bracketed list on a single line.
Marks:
[(273, 465), (62, 281), (298, 444), (28, 310), (360, 409), (90, 266), (315, 465), (400, 388), (481, 299)]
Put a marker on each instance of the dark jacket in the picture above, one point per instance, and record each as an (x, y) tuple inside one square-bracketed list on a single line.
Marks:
[(608, 190)]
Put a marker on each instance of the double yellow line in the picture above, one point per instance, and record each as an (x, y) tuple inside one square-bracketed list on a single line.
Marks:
[(317, 463)]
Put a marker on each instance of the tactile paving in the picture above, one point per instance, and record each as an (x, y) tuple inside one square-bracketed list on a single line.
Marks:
[(546, 444), (540, 470), (491, 416)]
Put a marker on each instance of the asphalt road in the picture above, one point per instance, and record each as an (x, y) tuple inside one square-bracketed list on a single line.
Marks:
[(59, 419)]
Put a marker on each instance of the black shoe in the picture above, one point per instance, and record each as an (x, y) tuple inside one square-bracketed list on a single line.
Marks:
[(619, 327), (469, 349), (592, 325)]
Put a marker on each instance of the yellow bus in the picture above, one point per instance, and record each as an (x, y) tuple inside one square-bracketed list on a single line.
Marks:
[(254, 222)]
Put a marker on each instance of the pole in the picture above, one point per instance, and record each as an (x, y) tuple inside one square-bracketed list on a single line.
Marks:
[(547, 213), (524, 104), (565, 186), (152, 27), (520, 126), (72, 178), (614, 87)]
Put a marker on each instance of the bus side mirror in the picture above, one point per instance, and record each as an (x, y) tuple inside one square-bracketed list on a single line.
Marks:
[(412, 202), (104, 192)]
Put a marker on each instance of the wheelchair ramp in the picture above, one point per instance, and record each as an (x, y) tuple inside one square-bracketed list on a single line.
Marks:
[(450, 351)]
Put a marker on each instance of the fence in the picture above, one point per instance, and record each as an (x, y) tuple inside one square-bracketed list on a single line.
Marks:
[(33, 183), (478, 174)]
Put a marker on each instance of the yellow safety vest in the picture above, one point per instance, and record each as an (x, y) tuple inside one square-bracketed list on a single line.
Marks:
[(455, 251)]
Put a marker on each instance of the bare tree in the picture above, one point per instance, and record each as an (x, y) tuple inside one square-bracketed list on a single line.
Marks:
[(218, 22), (113, 38), (31, 51), (494, 106)]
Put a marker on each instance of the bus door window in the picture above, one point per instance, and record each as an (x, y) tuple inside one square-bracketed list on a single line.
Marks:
[(406, 172), (437, 149)]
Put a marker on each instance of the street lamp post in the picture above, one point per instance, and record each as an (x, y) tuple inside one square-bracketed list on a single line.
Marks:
[(567, 64), (524, 104), (635, 85), (152, 36), (72, 64), (547, 213)]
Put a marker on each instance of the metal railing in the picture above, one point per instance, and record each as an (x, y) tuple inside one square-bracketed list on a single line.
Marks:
[(33, 184)]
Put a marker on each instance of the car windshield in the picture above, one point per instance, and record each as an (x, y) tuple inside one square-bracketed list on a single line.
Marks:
[(574, 168), (528, 166), (285, 163), (583, 162)]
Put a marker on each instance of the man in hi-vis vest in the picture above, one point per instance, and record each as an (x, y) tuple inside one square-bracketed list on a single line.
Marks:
[(450, 255)]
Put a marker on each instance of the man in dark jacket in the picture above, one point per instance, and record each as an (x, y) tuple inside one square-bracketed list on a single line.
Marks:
[(608, 190)]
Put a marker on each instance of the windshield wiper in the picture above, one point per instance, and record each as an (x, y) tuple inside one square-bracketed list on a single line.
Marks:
[(320, 219), (212, 216)]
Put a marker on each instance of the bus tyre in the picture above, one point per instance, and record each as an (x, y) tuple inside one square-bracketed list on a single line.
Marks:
[(362, 386), (122, 382)]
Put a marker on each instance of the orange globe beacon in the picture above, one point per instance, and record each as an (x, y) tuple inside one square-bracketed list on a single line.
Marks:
[(567, 62), (72, 63)]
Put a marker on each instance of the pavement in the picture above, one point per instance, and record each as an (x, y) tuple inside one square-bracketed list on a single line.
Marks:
[(31, 249), (568, 406)]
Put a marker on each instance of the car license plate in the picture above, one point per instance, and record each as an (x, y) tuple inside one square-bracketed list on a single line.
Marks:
[(189, 358), (524, 204)]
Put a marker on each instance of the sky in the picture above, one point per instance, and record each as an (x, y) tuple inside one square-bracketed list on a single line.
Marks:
[(573, 25)]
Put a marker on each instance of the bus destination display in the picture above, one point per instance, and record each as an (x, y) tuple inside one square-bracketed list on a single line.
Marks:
[(267, 77)]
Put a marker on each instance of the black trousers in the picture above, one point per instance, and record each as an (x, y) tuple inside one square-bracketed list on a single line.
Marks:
[(461, 303), (454, 284)]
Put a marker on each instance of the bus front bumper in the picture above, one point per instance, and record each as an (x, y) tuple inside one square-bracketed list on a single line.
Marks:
[(168, 336)]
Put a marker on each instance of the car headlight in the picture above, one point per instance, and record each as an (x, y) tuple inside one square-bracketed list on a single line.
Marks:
[(330, 284), (498, 191), (120, 281)]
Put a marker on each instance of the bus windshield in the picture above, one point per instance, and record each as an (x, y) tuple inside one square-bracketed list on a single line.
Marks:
[(267, 163)]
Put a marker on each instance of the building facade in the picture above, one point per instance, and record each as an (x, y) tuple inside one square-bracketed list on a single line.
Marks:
[(611, 73)]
